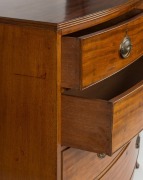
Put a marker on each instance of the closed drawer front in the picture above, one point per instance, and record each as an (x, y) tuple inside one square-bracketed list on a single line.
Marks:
[(91, 55), (124, 167), (78, 164), (107, 115)]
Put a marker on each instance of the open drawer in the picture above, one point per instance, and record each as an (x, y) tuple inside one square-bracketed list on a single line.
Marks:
[(93, 54), (107, 115)]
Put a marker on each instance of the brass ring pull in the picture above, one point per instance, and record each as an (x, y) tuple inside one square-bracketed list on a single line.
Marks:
[(125, 47)]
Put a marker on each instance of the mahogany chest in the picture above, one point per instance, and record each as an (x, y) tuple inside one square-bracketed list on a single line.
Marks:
[(71, 89)]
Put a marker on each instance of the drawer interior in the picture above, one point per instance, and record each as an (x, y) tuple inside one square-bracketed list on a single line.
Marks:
[(108, 24), (114, 85)]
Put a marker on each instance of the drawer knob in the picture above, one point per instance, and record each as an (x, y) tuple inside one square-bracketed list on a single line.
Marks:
[(137, 165), (101, 155), (125, 47), (138, 142)]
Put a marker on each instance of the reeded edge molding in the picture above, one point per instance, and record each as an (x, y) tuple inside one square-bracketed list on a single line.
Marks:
[(98, 17), (77, 24)]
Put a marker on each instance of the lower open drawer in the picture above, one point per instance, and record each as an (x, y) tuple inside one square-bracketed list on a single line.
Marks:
[(107, 115)]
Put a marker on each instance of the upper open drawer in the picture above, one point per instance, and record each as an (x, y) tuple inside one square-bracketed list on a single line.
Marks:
[(90, 55)]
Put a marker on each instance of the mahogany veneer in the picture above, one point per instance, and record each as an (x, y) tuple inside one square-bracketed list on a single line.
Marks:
[(119, 166), (105, 116), (31, 81), (92, 55)]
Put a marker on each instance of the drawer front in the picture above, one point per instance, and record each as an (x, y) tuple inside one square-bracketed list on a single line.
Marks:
[(78, 164), (124, 167), (90, 58), (127, 116), (101, 125)]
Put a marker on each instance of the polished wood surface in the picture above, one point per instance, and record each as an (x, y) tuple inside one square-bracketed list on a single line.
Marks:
[(65, 15), (93, 54), (30, 82), (29, 103), (128, 115), (94, 120), (76, 162), (54, 11), (71, 66), (85, 125), (123, 168), (98, 18)]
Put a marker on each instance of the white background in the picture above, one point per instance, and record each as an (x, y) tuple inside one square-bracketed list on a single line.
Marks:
[(138, 175)]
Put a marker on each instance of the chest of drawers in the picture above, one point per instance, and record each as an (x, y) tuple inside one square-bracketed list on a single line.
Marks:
[(71, 89)]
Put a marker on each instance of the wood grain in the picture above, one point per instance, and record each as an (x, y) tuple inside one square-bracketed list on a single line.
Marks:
[(78, 164), (69, 65), (96, 54), (92, 129), (98, 17), (101, 124), (124, 167), (30, 80), (29, 99), (127, 115), (86, 124), (56, 12)]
